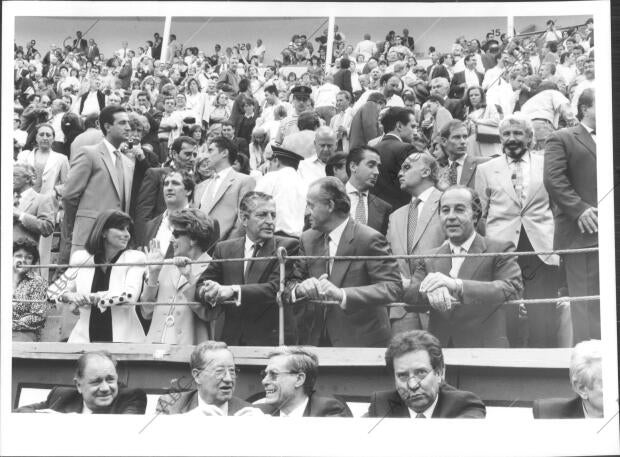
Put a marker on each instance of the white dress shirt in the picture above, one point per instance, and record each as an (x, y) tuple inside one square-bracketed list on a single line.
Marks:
[(86, 409), (311, 169), (289, 193), (164, 234), (204, 407), (428, 412), (298, 411), (471, 78), (457, 262), (91, 104)]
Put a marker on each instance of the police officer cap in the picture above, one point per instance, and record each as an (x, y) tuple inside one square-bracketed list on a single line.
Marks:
[(285, 153), (303, 91)]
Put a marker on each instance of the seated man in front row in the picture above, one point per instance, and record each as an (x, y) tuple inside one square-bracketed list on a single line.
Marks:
[(480, 284), (214, 372), (416, 360), (289, 386), (96, 391), (586, 379)]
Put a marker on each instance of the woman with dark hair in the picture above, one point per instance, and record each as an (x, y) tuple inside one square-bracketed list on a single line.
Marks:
[(71, 126), (89, 288), (242, 164), (31, 117), (480, 114), (202, 171), (195, 100), (314, 66), (28, 318), (193, 234)]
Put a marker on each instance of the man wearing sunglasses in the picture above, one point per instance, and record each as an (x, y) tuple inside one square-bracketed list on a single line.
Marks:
[(213, 370), (151, 202), (289, 380), (416, 359)]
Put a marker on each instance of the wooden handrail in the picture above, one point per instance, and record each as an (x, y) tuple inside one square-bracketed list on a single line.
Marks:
[(328, 357)]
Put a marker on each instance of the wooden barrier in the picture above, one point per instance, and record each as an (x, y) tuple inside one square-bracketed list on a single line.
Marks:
[(502, 377)]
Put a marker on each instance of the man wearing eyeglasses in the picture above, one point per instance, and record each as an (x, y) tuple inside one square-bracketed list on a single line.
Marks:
[(151, 202), (214, 372), (416, 359), (289, 380)]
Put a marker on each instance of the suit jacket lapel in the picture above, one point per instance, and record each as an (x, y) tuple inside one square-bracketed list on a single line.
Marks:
[(110, 166), (582, 135), (256, 269), (373, 212), (471, 264), (230, 179), (345, 247), (505, 180), (429, 208), (396, 407), (469, 167), (536, 178), (27, 201), (442, 264)]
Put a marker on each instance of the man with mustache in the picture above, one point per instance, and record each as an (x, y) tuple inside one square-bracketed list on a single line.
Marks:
[(250, 314), (512, 192), (416, 359)]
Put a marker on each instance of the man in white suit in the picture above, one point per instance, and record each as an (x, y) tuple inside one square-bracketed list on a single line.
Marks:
[(100, 178), (415, 228), (517, 209), (219, 196)]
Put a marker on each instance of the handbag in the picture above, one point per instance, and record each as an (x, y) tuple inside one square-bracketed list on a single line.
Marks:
[(487, 133)]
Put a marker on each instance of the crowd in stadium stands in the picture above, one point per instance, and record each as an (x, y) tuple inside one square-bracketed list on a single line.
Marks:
[(219, 154), (414, 358)]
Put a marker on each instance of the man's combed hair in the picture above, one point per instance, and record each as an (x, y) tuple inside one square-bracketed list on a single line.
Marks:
[(199, 358), (331, 188), (250, 200), (585, 359), (412, 341), (300, 360), (393, 115), (222, 143)]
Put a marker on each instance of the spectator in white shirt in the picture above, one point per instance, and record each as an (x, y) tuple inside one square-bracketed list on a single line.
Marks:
[(313, 168), (325, 99), (341, 121), (366, 47)]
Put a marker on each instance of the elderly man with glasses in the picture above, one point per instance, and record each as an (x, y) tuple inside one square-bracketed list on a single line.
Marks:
[(214, 373), (289, 381)]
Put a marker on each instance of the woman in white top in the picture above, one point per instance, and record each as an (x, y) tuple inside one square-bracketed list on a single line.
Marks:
[(84, 289), (195, 99), (479, 113), (221, 110), (51, 171)]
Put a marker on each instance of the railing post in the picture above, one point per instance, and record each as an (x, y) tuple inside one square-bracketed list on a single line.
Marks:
[(281, 254)]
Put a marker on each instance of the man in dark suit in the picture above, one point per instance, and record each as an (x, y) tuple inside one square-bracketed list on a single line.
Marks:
[(79, 44), (359, 288), (213, 370), (461, 167), (95, 98), (253, 317), (342, 78), (289, 380), (441, 86), (96, 391), (399, 125), (363, 170), (151, 201), (570, 180), (416, 359), (466, 78), (365, 122), (586, 379), (480, 284), (92, 51), (228, 131)]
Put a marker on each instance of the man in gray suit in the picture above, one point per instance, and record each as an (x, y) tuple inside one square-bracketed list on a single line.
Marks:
[(220, 195), (415, 228), (100, 178)]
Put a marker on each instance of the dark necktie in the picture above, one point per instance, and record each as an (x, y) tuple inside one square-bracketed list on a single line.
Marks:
[(121, 178), (453, 173), (248, 265)]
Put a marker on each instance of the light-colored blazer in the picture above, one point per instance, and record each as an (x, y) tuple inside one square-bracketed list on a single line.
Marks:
[(92, 187), (427, 236), (506, 213), (37, 218), (55, 172), (126, 327), (190, 325), (224, 206)]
